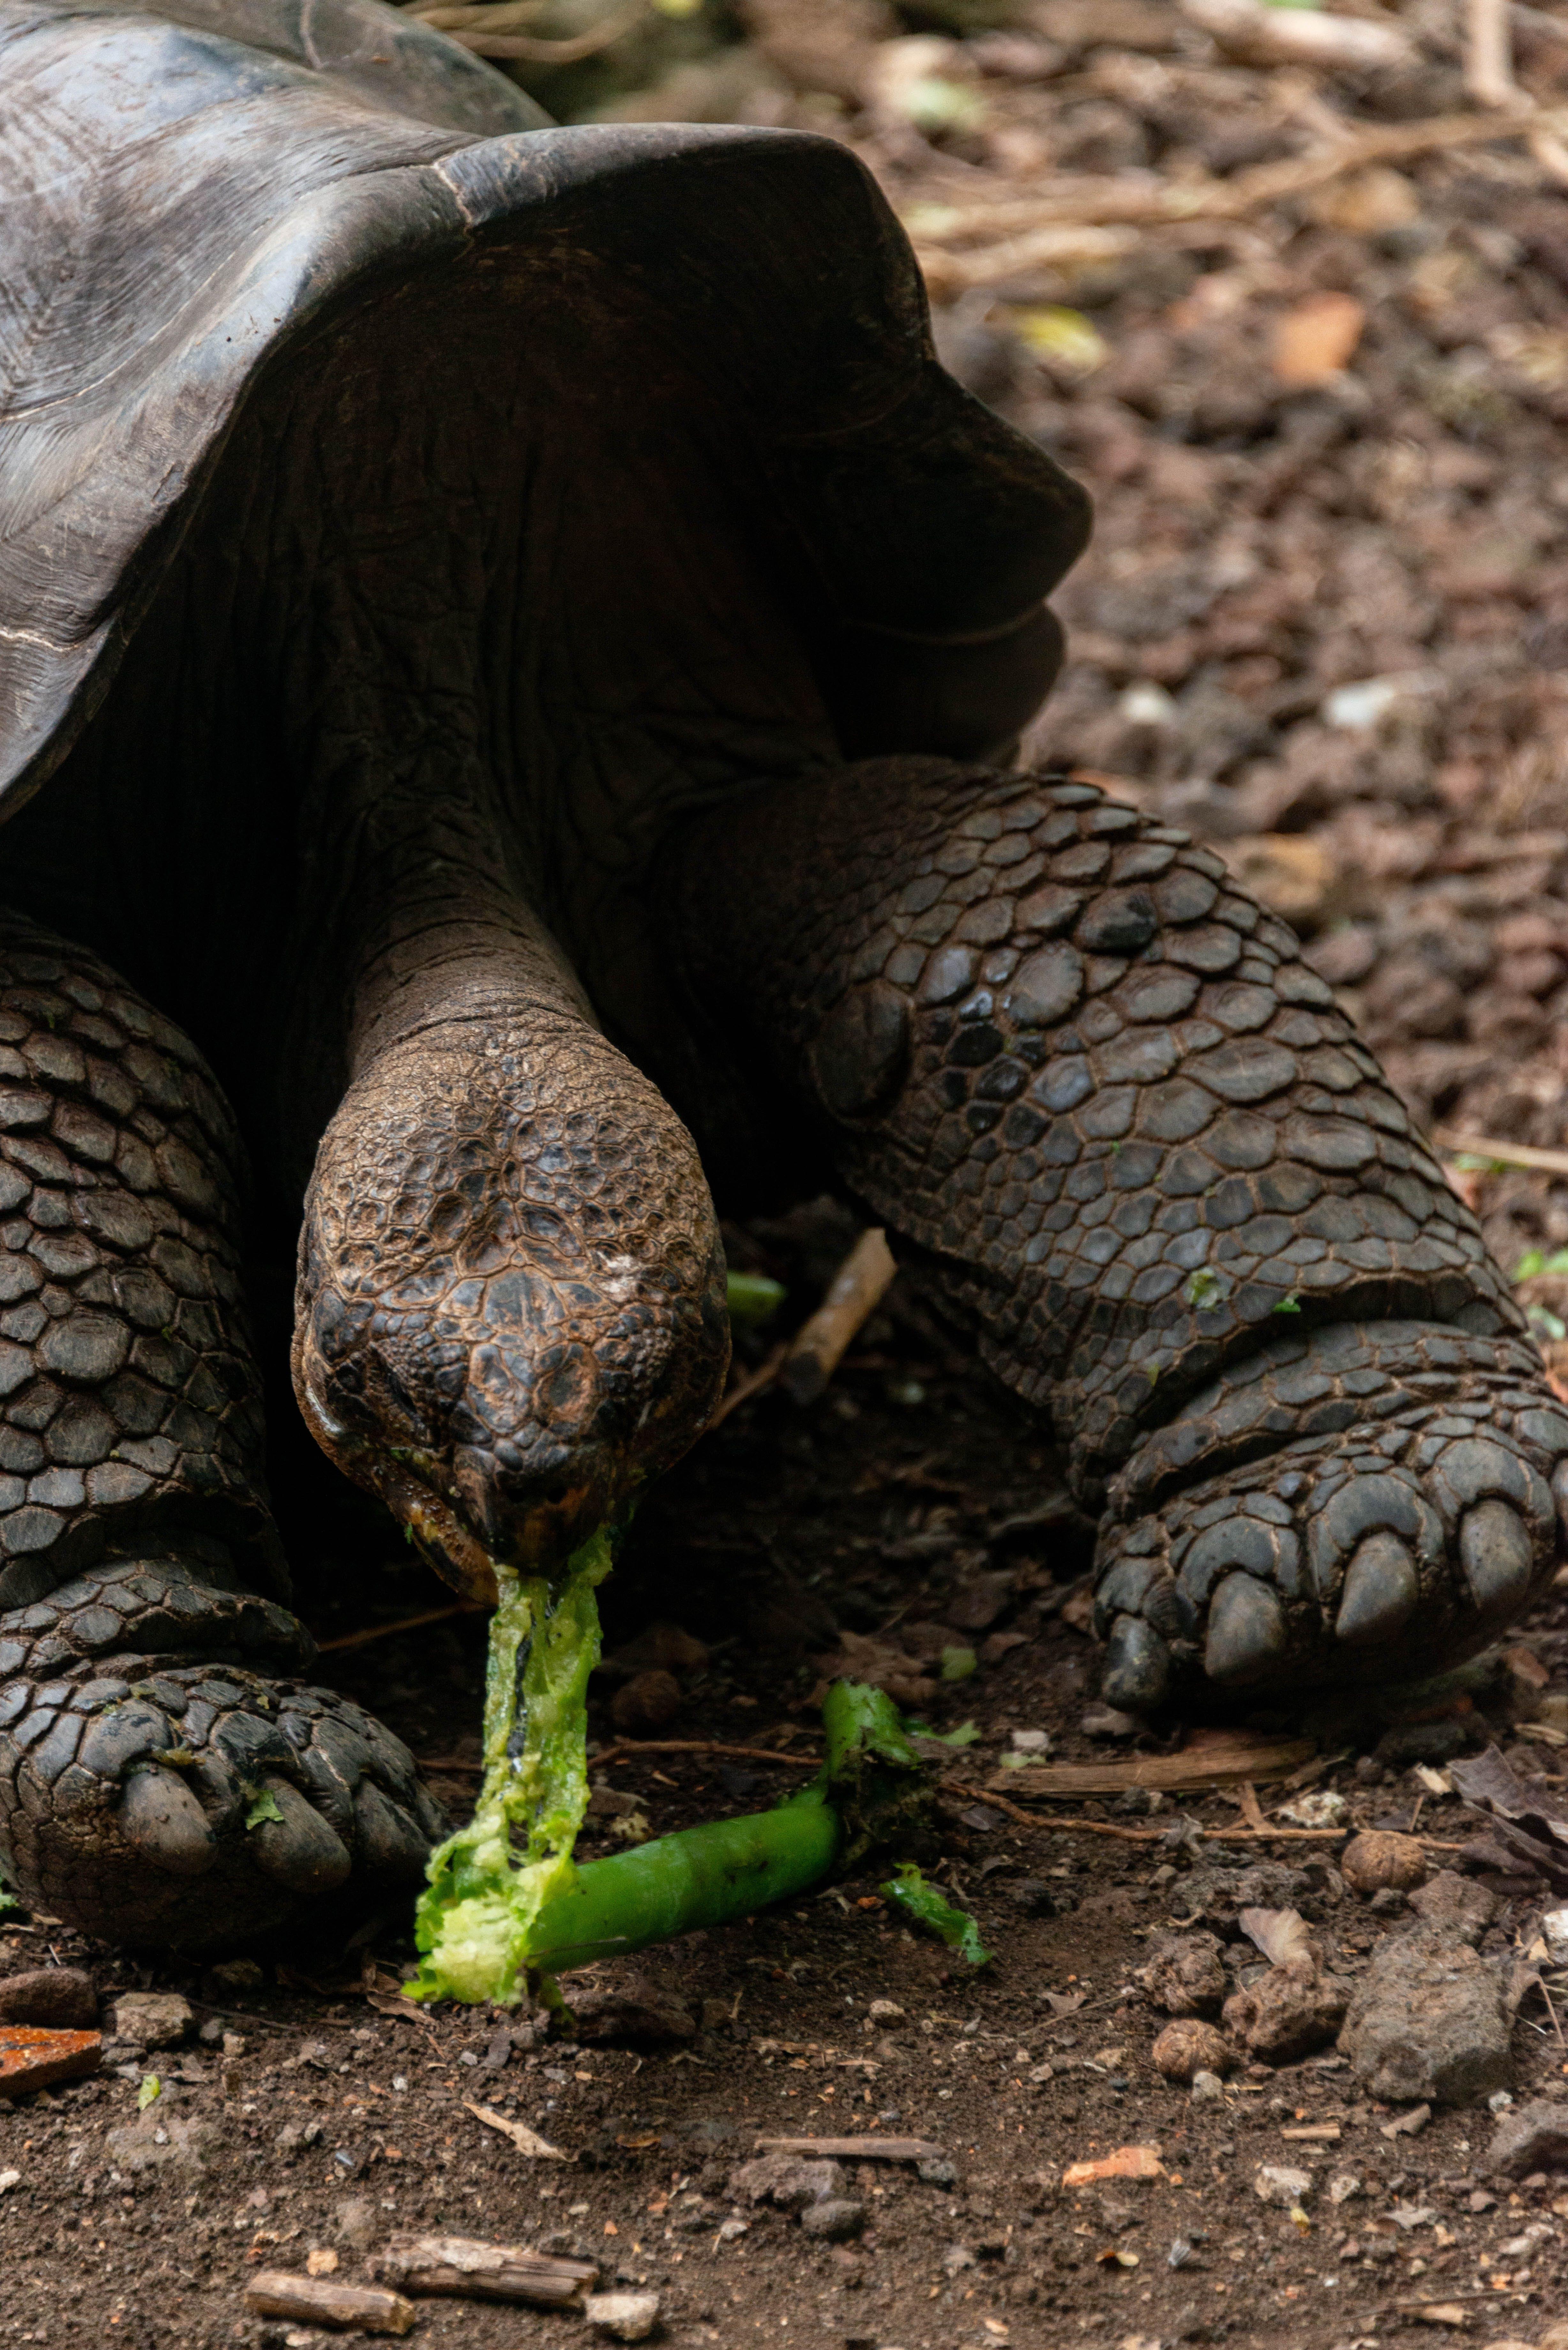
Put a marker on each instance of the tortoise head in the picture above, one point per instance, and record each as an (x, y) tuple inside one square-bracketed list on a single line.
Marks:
[(511, 1311)]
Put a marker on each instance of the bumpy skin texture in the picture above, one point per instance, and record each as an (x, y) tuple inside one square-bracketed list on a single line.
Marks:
[(1157, 1174), (510, 1306), (140, 1569)]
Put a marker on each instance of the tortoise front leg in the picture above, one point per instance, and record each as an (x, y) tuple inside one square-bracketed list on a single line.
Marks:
[(167, 1775), (1093, 1086)]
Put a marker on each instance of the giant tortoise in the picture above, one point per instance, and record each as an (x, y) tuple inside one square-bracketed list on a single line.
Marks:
[(511, 648)]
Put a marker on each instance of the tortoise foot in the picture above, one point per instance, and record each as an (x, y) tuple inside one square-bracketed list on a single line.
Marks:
[(191, 1803), (1357, 1504)]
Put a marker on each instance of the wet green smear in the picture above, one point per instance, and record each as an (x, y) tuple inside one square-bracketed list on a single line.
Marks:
[(475, 1926)]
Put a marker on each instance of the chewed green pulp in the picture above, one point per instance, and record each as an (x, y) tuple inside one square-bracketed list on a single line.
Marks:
[(506, 1907), (476, 1921)]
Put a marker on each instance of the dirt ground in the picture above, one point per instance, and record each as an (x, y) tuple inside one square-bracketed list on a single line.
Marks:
[(1324, 623)]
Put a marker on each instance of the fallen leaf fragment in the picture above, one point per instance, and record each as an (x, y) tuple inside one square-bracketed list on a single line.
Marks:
[(1314, 340), (1065, 336), (407, 2011), (321, 2263), (525, 2140), (1126, 2162), (1279, 1934), (1295, 876)]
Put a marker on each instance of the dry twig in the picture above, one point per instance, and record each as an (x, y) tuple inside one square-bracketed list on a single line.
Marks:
[(1507, 1154), (476, 29), (1104, 200), (629, 1751), (323, 2301), (474, 2270), (403, 1624)]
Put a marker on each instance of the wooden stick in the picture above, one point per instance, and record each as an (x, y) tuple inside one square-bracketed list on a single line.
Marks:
[(753, 1384), (629, 1751), (1196, 1771), (1109, 199), (856, 1291), (322, 2301), (476, 2271), (1508, 1154), (803, 1365), (1489, 55), (1058, 1826), (852, 2149)]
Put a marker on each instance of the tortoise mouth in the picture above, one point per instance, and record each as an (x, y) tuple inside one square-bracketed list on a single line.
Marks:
[(438, 1502)]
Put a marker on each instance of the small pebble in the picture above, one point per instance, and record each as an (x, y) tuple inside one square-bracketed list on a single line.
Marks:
[(627, 2316)]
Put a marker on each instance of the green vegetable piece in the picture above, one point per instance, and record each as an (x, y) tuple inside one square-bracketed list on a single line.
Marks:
[(1289, 1304), (491, 1924), (151, 2088), (9, 1904), (475, 1920), (958, 1664), (924, 1906), (263, 1805), (675, 1884), (966, 1734), (1206, 1288), (754, 1299)]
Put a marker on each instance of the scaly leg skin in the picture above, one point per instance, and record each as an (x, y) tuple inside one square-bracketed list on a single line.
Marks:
[(165, 1776), (1093, 1087)]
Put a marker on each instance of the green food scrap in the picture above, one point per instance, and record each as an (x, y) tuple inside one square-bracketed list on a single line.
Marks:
[(475, 1921), (151, 2088), (924, 1906), (1206, 1288), (958, 1664), (263, 1805), (1535, 1262), (752, 1299), (1289, 1304)]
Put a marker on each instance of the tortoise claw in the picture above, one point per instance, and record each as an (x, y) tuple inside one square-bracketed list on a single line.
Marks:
[(298, 1849), (159, 1800), (161, 1819), (1386, 1541)]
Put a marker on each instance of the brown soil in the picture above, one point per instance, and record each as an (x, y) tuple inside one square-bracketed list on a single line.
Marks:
[(1259, 548)]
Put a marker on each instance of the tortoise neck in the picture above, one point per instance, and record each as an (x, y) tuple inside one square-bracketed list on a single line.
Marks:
[(447, 948)]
